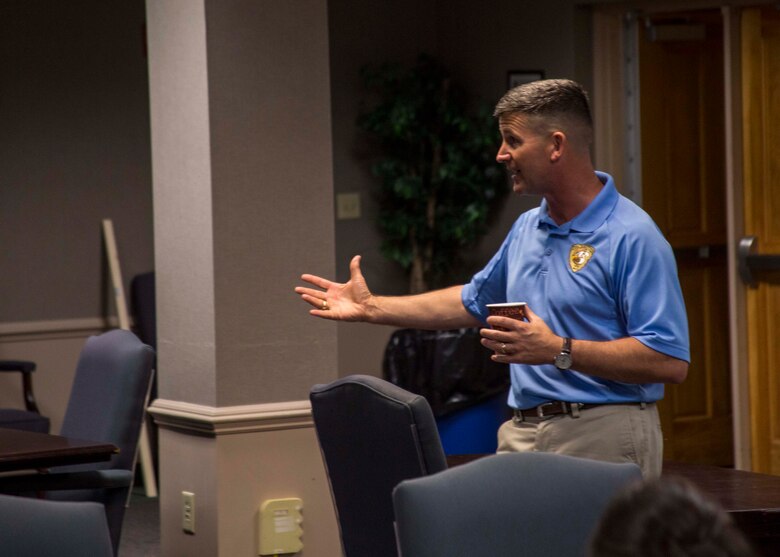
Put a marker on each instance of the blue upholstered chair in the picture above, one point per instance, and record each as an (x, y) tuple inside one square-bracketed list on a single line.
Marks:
[(373, 435), (107, 403), (507, 505), (38, 528)]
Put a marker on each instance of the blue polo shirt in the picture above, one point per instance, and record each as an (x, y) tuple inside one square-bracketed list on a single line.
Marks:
[(607, 274)]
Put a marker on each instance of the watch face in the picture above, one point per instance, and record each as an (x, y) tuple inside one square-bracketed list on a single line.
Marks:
[(563, 361)]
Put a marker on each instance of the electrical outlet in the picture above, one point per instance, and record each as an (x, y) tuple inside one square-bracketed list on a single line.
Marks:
[(188, 512)]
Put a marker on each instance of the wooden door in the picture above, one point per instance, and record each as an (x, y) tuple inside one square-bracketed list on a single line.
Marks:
[(683, 189), (761, 153)]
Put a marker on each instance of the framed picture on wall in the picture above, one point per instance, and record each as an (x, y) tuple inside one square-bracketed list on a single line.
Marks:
[(519, 77)]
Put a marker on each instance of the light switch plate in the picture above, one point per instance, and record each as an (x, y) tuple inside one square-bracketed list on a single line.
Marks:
[(348, 206), (188, 512)]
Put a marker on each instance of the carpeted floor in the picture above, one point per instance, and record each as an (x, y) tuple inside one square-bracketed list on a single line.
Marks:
[(141, 528)]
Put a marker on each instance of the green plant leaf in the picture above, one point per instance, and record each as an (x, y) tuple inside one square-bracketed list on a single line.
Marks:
[(438, 177)]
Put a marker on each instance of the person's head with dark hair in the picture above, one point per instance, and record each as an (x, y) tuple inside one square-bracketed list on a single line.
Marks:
[(547, 131), (667, 517), (551, 104)]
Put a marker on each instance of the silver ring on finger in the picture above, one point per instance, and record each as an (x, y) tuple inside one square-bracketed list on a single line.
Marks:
[(502, 348)]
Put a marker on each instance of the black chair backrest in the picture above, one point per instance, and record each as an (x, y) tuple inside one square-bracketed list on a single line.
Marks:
[(143, 303), (508, 505), (373, 435)]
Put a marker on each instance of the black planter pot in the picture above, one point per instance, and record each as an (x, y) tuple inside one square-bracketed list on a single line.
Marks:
[(449, 368)]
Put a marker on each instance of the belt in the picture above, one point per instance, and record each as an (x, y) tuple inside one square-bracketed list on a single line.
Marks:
[(555, 408)]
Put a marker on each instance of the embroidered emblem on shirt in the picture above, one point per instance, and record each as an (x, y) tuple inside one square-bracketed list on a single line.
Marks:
[(579, 255)]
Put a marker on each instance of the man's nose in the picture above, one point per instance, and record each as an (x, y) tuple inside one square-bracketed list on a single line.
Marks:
[(502, 156)]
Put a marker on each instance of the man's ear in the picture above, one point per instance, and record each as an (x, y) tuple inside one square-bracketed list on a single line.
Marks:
[(558, 140)]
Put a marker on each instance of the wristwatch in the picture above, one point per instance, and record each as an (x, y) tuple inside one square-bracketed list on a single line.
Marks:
[(563, 360)]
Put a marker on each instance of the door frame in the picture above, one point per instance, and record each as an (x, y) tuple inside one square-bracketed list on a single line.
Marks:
[(612, 110)]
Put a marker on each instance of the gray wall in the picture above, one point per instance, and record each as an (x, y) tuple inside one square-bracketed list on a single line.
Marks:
[(74, 150), (480, 42), (75, 128)]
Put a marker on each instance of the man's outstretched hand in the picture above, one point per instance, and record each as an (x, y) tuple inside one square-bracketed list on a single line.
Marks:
[(350, 301)]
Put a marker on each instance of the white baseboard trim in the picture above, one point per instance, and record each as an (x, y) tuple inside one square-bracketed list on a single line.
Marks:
[(208, 420)]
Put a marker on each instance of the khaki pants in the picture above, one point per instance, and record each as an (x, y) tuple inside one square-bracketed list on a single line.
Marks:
[(611, 432)]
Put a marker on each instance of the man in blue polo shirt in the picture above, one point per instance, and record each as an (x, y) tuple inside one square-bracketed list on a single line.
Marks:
[(605, 320)]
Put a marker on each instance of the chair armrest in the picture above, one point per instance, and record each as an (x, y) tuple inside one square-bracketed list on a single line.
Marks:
[(88, 479), (17, 365), (26, 368)]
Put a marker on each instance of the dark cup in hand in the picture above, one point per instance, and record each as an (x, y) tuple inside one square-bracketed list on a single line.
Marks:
[(515, 310)]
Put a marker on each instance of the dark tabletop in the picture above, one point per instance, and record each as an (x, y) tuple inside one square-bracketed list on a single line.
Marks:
[(20, 450)]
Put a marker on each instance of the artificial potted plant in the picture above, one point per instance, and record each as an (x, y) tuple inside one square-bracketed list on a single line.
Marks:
[(438, 177), (439, 183)]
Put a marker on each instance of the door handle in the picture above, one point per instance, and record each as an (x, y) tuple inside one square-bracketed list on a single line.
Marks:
[(749, 261)]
